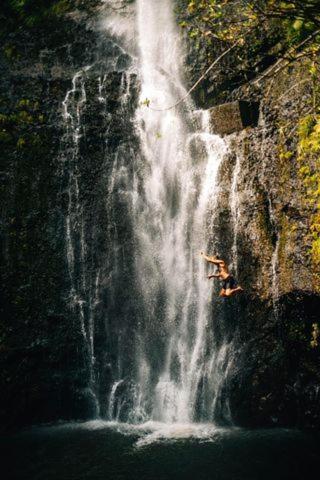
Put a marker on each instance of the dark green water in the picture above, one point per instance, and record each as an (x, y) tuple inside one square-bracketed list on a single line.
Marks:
[(97, 451)]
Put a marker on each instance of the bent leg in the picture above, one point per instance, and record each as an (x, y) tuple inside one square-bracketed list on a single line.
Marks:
[(235, 290)]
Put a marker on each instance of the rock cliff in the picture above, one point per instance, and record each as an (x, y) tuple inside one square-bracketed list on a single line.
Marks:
[(55, 168), (264, 225)]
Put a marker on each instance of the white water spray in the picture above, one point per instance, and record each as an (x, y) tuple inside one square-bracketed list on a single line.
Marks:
[(235, 211), (178, 184)]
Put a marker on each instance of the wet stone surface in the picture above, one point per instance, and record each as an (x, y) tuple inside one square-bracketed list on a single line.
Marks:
[(233, 117)]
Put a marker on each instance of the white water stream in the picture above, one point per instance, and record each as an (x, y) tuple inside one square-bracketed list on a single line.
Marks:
[(82, 292), (178, 181)]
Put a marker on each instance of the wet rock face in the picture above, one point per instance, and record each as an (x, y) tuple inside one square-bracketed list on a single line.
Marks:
[(264, 233), (261, 229), (45, 363), (35, 323), (233, 117)]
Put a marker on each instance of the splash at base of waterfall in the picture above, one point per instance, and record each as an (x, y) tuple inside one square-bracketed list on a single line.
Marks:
[(96, 450), (150, 432)]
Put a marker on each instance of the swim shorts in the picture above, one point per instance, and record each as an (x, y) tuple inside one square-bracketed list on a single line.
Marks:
[(229, 283)]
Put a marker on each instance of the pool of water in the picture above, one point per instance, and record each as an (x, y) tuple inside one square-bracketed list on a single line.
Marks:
[(153, 451)]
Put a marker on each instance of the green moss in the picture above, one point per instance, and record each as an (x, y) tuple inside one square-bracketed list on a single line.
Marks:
[(23, 117), (24, 102), (16, 126), (10, 51), (284, 165), (315, 249), (309, 171), (62, 6), (5, 137), (305, 127), (286, 155), (32, 12), (21, 143), (315, 336)]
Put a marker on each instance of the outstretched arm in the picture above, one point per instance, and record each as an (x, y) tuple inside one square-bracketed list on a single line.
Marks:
[(214, 275), (213, 260)]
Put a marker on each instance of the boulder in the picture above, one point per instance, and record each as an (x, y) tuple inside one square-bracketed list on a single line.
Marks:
[(234, 117)]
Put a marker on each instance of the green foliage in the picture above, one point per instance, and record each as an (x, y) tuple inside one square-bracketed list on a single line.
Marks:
[(61, 7), (145, 103), (297, 30), (207, 18), (308, 157), (309, 171), (315, 335), (5, 137), (16, 127), (286, 155), (32, 13), (305, 127), (10, 51), (242, 21), (21, 143)]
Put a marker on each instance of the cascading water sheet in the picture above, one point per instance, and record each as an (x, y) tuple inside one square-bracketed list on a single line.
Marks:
[(177, 371)]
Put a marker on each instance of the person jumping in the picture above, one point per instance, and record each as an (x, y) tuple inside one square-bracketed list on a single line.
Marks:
[(230, 285)]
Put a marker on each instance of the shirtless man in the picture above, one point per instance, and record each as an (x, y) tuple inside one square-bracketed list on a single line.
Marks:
[(229, 283)]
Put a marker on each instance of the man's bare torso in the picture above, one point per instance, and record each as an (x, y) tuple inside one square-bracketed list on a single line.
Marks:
[(223, 271)]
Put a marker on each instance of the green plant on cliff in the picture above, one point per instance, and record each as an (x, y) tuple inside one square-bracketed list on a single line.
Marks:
[(230, 19), (315, 335), (263, 30), (17, 127), (299, 139), (309, 160), (32, 12)]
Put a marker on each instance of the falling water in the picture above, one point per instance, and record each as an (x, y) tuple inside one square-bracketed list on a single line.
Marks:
[(235, 212), (176, 370), (275, 268), (164, 361), (83, 296)]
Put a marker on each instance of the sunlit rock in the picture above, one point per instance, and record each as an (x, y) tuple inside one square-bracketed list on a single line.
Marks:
[(234, 117)]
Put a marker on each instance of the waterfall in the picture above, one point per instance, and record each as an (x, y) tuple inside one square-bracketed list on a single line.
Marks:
[(177, 370), (145, 305)]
